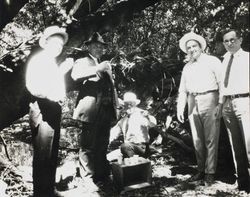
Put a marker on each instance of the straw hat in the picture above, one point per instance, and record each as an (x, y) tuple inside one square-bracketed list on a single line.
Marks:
[(192, 36), (129, 97), (50, 31), (96, 37)]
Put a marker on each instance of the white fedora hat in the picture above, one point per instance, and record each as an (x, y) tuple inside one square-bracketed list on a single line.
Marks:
[(192, 36), (130, 97), (50, 31)]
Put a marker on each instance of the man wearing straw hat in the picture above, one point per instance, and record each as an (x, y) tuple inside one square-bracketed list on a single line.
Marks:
[(199, 87), (95, 108), (135, 128), (45, 82)]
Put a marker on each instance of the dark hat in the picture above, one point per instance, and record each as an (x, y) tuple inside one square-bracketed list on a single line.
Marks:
[(96, 37)]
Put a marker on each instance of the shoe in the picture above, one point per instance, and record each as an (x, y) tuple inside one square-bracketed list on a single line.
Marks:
[(209, 179), (197, 177)]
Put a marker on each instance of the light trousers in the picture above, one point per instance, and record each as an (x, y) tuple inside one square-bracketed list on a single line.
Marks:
[(237, 120), (205, 128)]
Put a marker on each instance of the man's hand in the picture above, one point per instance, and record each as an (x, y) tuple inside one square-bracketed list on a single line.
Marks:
[(104, 66), (66, 65), (218, 111), (180, 117)]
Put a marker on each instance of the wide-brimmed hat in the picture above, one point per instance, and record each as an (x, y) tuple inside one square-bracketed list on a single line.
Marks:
[(192, 36), (50, 31), (96, 37), (129, 97)]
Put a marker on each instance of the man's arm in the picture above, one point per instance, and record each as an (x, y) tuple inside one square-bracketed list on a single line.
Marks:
[(115, 132), (181, 103), (218, 70), (83, 69), (182, 99), (152, 122), (66, 65)]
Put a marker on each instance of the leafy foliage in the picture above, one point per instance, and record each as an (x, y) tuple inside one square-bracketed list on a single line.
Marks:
[(144, 53), (149, 61)]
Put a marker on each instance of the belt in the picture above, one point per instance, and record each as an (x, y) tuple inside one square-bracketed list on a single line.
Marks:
[(237, 95), (202, 93)]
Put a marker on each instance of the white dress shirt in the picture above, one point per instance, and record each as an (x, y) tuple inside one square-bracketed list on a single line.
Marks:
[(44, 78), (134, 128), (200, 76), (84, 67), (238, 82)]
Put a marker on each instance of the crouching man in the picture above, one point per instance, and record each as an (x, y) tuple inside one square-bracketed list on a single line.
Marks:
[(134, 127)]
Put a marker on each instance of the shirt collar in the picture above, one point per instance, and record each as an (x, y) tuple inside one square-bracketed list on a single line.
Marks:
[(200, 58), (228, 54)]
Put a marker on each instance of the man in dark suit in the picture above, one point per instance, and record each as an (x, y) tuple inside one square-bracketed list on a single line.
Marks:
[(95, 107)]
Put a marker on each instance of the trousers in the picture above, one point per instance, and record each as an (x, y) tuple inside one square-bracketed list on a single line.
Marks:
[(205, 128), (237, 120), (45, 118), (129, 149)]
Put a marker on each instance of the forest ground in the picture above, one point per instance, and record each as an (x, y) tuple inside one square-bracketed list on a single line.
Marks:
[(171, 167)]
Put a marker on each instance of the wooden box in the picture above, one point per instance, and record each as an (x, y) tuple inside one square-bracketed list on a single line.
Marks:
[(132, 176)]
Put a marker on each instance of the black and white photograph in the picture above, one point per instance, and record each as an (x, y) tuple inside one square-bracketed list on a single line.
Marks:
[(124, 98)]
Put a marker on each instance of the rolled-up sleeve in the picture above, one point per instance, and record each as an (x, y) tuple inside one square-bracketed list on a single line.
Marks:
[(115, 132), (217, 68), (82, 68)]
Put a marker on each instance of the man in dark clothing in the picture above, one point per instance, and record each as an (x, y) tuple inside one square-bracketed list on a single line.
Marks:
[(95, 107)]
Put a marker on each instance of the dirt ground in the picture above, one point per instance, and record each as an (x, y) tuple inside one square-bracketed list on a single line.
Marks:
[(171, 167)]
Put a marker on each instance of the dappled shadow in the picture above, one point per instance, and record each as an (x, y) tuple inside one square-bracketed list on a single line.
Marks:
[(171, 167), (164, 181), (184, 170), (226, 177)]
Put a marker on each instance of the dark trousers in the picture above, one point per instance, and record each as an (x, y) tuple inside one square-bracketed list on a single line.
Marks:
[(45, 139), (131, 149), (92, 155), (236, 118)]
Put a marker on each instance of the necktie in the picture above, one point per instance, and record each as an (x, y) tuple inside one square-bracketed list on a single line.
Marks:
[(228, 70)]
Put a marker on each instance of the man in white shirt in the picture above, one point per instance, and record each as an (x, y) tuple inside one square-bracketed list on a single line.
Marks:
[(134, 127), (236, 104), (199, 87), (95, 107), (45, 82)]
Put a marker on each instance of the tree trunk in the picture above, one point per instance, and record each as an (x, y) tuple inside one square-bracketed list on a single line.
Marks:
[(9, 9), (14, 98)]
